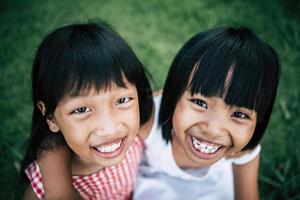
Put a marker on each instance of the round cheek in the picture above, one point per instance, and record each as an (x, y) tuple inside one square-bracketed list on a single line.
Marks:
[(74, 134), (177, 116), (132, 119), (75, 144), (180, 125), (176, 122), (181, 119), (243, 139), (136, 116)]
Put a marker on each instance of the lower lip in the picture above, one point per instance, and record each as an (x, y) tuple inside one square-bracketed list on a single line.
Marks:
[(112, 154), (199, 154)]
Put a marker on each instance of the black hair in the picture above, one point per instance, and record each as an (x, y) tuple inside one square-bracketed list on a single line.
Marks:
[(206, 62), (70, 61)]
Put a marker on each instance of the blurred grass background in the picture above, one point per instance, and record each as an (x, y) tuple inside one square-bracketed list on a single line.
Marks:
[(156, 30)]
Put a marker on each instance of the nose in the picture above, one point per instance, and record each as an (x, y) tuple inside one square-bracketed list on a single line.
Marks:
[(106, 123), (215, 125)]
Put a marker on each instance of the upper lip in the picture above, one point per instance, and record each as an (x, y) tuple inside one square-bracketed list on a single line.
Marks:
[(195, 132), (207, 141), (109, 142)]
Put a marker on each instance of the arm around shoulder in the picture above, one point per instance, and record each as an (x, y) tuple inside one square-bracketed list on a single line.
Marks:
[(56, 171), (29, 194), (246, 180), (145, 129)]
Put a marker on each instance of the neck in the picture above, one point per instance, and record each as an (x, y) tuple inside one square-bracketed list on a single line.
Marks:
[(82, 167)]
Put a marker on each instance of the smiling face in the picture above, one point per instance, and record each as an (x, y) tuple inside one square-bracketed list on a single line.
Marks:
[(98, 127), (206, 129)]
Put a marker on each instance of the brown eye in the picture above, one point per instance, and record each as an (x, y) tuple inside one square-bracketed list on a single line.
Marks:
[(123, 100), (240, 115), (81, 110), (200, 103)]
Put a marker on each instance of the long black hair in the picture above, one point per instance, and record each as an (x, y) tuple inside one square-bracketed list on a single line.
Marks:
[(206, 62), (70, 61)]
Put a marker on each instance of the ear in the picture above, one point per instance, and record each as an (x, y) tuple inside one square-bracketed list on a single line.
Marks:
[(41, 106), (50, 120), (52, 125)]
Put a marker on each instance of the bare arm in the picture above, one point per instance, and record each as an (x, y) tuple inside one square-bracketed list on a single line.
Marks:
[(246, 180), (56, 171), (146, 128), (29, 194)]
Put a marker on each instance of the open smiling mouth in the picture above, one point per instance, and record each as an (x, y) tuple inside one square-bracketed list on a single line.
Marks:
[(111, 149), (204, 149)]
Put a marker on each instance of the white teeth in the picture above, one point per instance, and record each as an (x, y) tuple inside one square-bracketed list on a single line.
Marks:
[(109, 148), (203, 147)]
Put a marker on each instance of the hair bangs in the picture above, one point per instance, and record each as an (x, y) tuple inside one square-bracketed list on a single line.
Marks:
[(92, 70), (89, 62), (211, 71)]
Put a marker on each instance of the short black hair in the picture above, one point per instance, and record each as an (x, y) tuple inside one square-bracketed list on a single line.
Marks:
[(203, 65), (70, 61)]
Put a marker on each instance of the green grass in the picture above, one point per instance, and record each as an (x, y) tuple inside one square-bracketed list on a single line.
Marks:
[(156, 30)]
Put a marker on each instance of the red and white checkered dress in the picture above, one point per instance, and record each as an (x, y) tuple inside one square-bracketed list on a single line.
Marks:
[(115, 182)]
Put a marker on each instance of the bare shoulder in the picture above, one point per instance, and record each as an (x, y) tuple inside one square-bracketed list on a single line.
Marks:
[(59, 156), (55, 166)]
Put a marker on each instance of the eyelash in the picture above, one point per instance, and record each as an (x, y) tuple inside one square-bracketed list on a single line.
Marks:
[(84, 109), (200, 103), (203, 104), (240, 115), (81, 110), (123, 100)]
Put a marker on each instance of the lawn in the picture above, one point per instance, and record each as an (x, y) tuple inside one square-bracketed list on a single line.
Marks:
[(155, 30)]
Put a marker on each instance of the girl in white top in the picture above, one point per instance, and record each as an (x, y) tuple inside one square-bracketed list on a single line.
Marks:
[(215, 107)]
